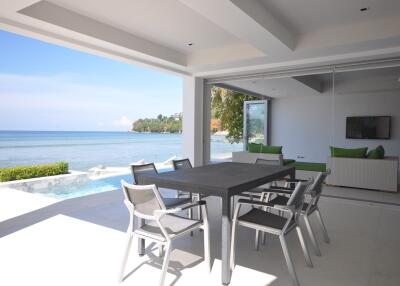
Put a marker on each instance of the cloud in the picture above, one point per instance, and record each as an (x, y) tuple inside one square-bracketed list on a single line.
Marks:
[(124, 121), (35, 101)]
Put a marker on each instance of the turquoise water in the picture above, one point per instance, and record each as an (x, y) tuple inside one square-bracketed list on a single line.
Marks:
[(92, 187), (82, 189), (84, 150)]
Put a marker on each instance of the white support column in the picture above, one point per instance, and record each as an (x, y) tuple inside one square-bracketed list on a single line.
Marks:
[(193, 119), (207, 124)]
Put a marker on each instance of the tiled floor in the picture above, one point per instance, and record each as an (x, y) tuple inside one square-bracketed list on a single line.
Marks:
[(80, 242)]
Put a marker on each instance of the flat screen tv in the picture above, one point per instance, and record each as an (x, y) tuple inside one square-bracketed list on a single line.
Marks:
[(368, 127)]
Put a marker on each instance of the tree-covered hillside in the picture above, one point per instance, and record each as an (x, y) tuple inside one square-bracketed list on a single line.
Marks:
[(171, 124)]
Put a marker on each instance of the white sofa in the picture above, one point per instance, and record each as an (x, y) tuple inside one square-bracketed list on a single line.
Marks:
[(247, 157), (376, 174)]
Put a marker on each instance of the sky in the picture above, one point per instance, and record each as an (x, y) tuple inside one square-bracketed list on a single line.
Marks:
[(49, 87)]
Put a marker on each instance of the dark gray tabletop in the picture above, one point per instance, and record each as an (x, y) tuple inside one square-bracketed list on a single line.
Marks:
[(223, 180)]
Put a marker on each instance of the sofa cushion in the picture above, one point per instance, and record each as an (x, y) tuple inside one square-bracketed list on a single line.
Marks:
[(349, 153), (310, 166), (254, 147), (271, 149)]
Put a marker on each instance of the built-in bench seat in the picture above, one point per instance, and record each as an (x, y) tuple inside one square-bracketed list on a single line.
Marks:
[(305, 170)]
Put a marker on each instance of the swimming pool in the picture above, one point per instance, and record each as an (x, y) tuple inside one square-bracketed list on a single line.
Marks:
[(75, 190)]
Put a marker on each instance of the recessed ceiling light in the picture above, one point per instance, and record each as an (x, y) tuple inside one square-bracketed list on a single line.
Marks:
[(190, 44), (365, 9)]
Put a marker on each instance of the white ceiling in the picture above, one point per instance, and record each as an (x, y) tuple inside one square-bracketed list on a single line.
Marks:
[(306, 16), (348, 83), (229, 36), (166, 22), (276, 88)]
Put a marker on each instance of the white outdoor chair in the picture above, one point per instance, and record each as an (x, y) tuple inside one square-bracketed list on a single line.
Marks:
[(256, 193), (260, 220), (310, 207), (185, 164), (150, 168), (161, 225)]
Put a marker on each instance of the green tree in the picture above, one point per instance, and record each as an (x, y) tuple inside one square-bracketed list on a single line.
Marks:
[(162, 123), (227, 106)]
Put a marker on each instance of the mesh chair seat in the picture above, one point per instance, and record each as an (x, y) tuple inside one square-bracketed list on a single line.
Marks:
[(257, 217), (282, 200), (173, 224)]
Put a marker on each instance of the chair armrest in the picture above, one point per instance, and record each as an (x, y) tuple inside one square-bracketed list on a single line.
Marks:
[(256, 203), (279, 190), (191, 205), (254, 196), (160, 213), (294, 180), (267, 204)]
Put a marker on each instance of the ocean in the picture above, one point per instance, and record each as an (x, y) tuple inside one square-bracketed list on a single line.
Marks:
[(84, 150)]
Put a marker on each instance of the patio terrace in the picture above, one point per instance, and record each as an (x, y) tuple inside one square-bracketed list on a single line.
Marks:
[(80, 241)]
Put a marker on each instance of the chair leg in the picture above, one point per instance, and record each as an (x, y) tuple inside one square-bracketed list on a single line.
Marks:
[(160, 250), (199, 212), (190, 215), (326, 237), (257, 241), (312, 236), (263, 237), (165, 263), (197, 198), (289, 260), (304, 246), (233, 245), (125, 257), (232, 206), (206, 231)]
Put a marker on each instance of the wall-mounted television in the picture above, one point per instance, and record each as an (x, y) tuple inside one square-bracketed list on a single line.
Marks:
[(368, 127)]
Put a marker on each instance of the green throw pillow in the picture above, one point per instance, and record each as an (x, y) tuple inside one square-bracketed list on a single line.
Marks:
[(271, 149), (381, 151), (349, 153), (377, 153), (373, 154), (254, 147)]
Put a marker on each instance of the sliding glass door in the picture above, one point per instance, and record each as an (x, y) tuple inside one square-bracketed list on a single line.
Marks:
[(255, 123)]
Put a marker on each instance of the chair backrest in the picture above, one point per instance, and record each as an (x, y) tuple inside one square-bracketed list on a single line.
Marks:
[(276, 162), (181, 164), (297, 198), (145, 198), (316, 187), (138, 170)]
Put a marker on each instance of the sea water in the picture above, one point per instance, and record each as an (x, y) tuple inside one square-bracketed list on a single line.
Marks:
[(84, 150)]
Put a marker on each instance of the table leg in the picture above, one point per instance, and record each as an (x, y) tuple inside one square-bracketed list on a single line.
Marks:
[(141, 242), (226, 240)]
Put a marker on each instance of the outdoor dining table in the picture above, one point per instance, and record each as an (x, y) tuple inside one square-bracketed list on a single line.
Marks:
[(223, 180)]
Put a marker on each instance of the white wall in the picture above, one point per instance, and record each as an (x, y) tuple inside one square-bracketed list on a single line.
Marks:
[(304, 126), (192, 125)]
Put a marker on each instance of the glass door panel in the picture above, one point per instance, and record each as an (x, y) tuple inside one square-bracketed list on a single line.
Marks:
[(255, 122)]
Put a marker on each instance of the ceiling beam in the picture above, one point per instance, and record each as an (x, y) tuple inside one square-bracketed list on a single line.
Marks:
[(248, 20), (67, 19)]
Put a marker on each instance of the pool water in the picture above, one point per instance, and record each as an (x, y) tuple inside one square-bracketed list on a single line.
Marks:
[(92, 187), (86, 188)]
